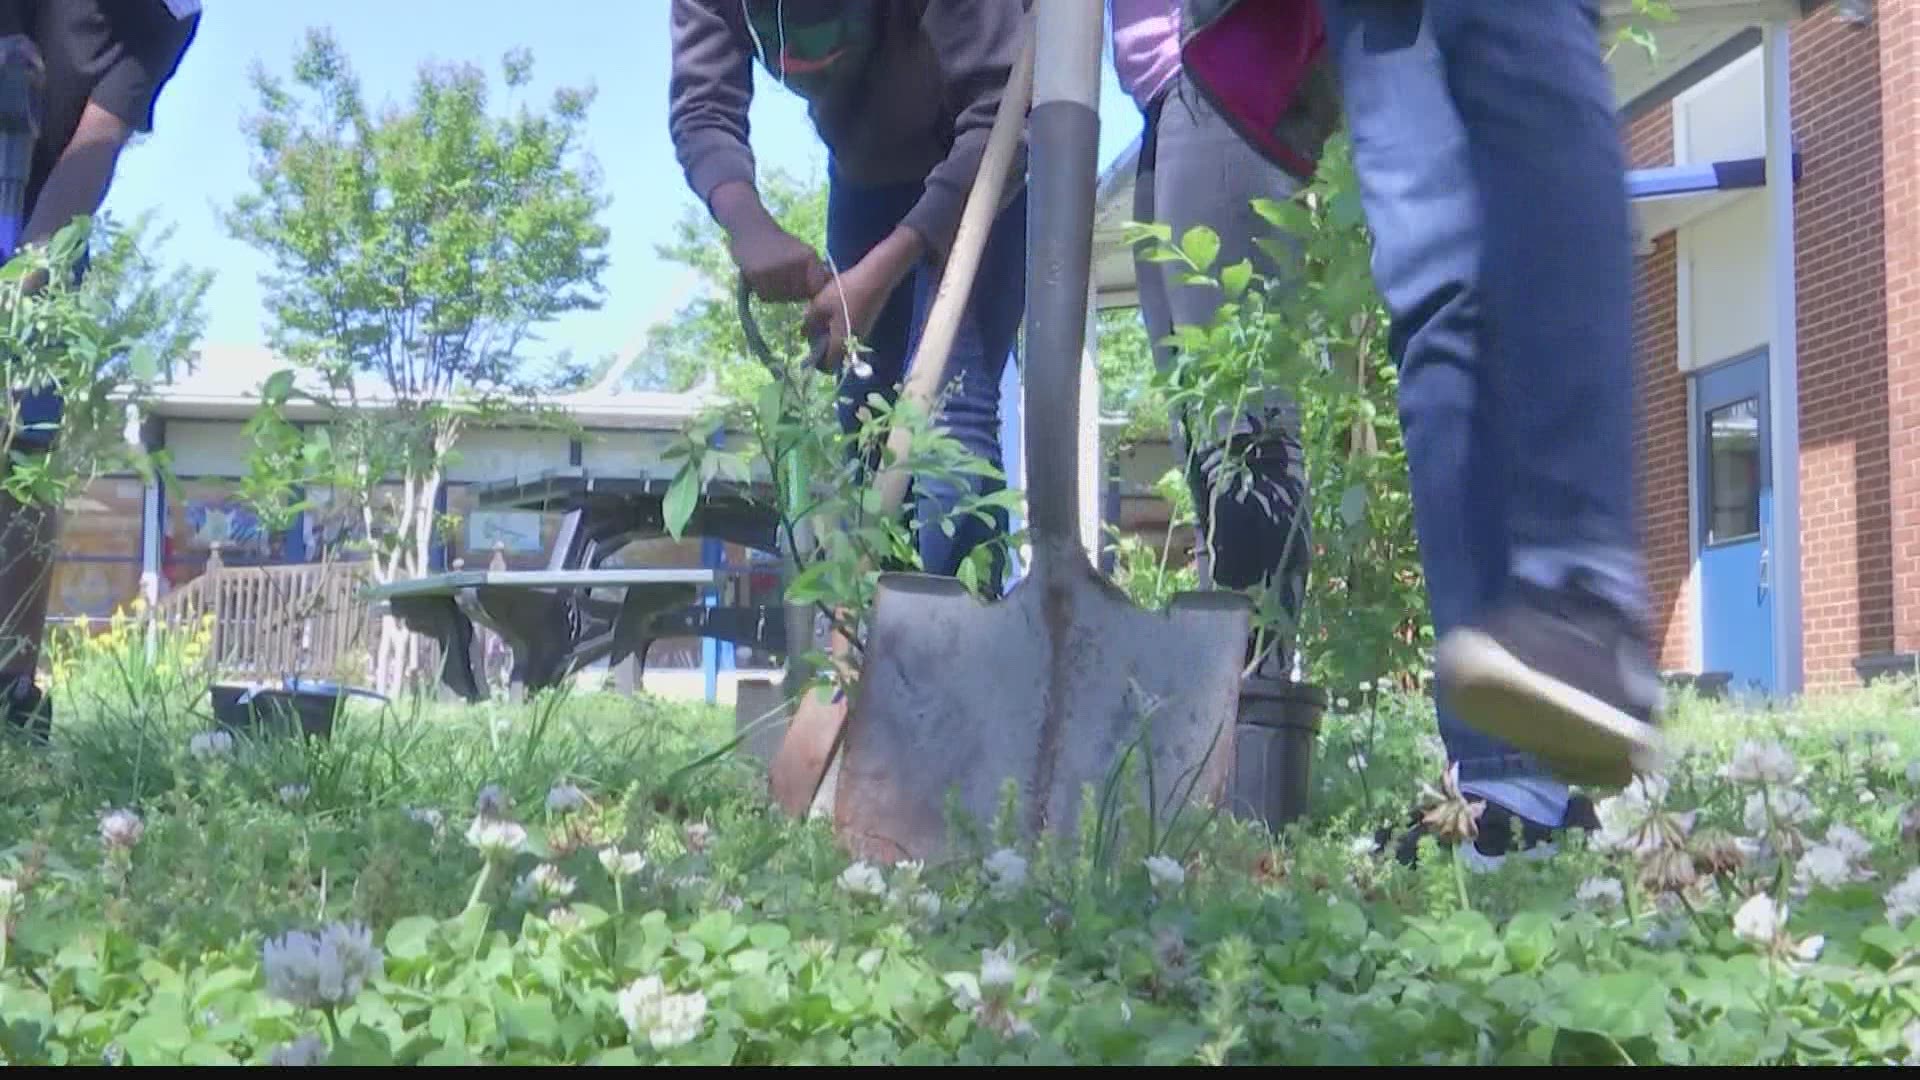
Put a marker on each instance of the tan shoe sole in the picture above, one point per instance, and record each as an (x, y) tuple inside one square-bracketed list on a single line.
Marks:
[(1582, 739)]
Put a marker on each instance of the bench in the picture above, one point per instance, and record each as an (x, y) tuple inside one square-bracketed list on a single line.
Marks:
[(549, 619)]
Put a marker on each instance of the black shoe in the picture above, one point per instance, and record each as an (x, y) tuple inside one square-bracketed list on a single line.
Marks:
[(1495, 839), (28, 711), (1562, 675)]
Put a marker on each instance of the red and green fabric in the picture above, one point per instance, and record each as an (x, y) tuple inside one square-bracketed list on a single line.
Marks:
[(1264, 65)]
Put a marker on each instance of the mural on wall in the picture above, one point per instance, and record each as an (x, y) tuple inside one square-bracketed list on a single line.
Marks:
[(518, 532), (213, 522)]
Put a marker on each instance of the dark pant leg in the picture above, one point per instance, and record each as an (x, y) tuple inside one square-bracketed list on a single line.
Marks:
[(858, 218), (1416, 183)]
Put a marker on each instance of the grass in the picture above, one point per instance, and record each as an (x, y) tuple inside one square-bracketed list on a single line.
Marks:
[(767, 947)]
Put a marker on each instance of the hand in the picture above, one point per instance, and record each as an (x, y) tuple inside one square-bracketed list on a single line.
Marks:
[(851, 305), (847, 308), (778, 267)]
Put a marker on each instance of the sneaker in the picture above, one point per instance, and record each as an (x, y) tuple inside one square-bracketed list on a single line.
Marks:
[(1562, 675), (1495, 840), (27, 709)]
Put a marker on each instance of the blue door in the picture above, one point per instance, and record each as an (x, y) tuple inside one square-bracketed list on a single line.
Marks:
[(1735, 522)]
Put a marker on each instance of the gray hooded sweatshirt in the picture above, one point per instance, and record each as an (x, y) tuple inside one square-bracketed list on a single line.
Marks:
[(901, 91)]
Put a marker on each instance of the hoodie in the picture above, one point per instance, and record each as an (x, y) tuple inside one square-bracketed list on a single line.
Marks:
[(900, 91)]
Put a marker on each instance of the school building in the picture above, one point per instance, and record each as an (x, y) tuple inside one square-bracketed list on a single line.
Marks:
[(1775, 147)]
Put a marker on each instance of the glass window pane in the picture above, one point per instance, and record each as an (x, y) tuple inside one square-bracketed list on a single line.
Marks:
[(1733, 472)]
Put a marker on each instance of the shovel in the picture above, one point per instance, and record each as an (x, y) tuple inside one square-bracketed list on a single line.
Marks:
[(814, 735), (1048, 686)]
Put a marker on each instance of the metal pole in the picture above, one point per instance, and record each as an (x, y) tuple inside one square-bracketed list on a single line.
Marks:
[(1783, 367)]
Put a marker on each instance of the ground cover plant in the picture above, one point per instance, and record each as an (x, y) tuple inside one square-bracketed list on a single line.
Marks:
[(596, 879)]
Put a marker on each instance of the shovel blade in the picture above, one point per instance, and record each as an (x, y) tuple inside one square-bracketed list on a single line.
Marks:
[(1049, 688)]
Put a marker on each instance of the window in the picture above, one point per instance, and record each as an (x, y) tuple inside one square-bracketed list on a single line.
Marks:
[(98, 566), (1733, 472)]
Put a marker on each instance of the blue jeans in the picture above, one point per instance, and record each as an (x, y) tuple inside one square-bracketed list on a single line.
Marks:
[(858, 218), (1491, 170)]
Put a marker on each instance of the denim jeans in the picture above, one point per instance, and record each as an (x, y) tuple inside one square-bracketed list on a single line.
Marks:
[(1492, 174), (1196, 170), (858, 218)]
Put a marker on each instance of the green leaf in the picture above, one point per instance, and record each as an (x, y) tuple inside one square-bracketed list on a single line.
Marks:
[(1235, 279), (619, 1057), (409, 937), (1353, 506), (143, 363), (278, 387), (682, 498), (1201, 246)]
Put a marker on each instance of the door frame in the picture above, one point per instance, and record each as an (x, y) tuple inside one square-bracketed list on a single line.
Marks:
[(1698, 494)]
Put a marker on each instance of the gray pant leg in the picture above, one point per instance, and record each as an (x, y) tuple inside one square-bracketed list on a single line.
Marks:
[(1195, 170)]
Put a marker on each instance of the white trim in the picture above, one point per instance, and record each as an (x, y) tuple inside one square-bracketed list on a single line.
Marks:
[(1783, 364), (1683, 357)]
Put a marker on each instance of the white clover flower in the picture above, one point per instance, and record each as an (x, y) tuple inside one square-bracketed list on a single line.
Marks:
[(1342, 704), (320, 970), (1357, 762), (565, 799), (1824, 866), (308, 1049), (432, 819), (209, 745), (544, 883), (1006, 873), (1600, 894), (121, 829), (1790, 808), (1628, 821), (1366, 686), (699, 836), (1164, 873), (292, 795), (667, 1020), (925, 904), (1903, 900), (997, 968), (492, 802), (863, 879), (1362, 845), (564, 919), (1849, 842), (621, 864), (1759, 921), (1762, 762), (495, 838)]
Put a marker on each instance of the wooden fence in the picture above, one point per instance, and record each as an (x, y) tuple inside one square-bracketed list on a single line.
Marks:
[(272, 622)]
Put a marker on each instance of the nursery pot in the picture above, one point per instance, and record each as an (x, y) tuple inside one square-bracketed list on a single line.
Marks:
[(1711, 685), (1273, 746), (306, 706)]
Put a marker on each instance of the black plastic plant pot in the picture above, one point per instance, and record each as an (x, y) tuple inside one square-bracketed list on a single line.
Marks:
[(1273, 748), (308, 708), (1710, 685), (1872, 669)]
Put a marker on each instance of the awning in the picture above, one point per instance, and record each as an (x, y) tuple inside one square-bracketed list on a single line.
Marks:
[(1702, 37)]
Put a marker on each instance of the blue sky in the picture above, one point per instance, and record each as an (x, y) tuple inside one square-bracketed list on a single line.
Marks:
[(196, 162)]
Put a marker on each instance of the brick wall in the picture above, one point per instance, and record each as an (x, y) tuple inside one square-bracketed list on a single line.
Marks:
[(1898, 34), (1850, 531), (1846, 551), (1662, 442)]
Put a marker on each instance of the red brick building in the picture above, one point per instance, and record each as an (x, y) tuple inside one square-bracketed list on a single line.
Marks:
[(1776, 184), (1724, 459)]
